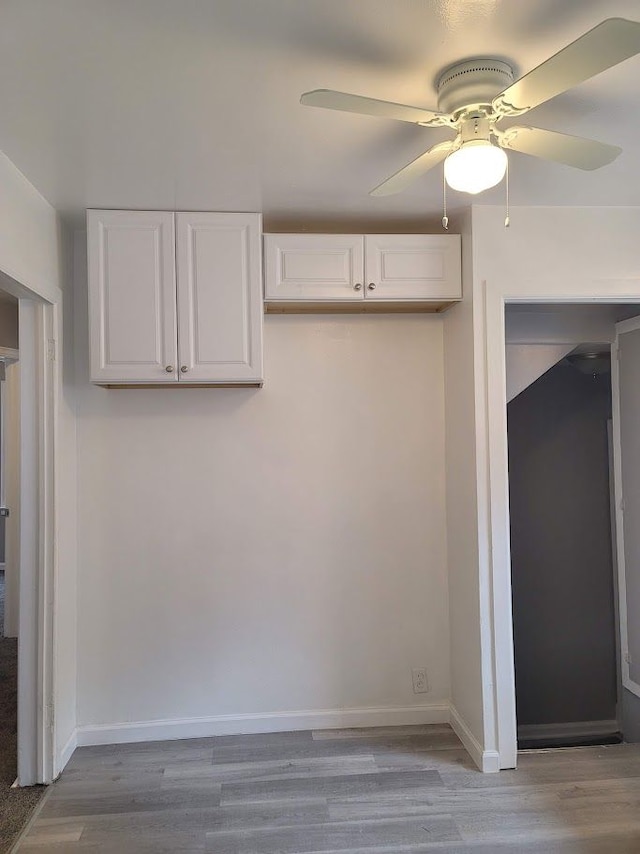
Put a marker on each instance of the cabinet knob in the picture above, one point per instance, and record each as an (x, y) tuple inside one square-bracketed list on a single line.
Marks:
[(372, 286), (169, 369), (184, 369), (357, 286)]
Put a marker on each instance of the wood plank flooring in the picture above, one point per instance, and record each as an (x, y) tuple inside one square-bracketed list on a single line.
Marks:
[(404, 789)]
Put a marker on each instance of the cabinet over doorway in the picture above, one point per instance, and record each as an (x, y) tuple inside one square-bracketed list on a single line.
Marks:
[(356, 272)]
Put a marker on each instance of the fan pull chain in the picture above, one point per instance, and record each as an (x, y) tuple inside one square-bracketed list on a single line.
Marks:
[(507, 221), (445, 218)]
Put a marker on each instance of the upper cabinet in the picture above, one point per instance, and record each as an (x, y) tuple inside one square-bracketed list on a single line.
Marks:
[(414, 271), (175, 298)]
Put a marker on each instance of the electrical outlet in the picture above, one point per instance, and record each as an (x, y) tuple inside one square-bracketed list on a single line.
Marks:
[(420, 683)]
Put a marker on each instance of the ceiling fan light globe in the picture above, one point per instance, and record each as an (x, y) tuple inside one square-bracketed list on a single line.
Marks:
[(474, 167)]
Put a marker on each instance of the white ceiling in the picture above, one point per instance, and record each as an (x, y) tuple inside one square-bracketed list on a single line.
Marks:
[(193, 104)]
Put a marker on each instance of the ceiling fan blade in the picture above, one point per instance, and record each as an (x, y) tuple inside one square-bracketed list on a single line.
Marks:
[(401, 180), (606, 45), (333, 100), (560, 147)]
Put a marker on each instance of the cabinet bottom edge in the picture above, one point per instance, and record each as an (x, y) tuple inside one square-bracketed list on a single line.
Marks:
[(348, 307), (253, 384)]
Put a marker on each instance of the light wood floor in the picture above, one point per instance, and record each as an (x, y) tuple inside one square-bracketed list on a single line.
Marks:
[(409, 789)]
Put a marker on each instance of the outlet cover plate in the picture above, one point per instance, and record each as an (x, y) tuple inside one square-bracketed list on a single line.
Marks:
[(420, 681)]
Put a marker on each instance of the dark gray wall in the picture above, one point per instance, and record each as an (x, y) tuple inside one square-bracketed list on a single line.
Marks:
[(8, 322), (2, 518), (561, 549)]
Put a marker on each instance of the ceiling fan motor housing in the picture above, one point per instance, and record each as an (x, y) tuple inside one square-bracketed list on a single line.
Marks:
[(472, 83)]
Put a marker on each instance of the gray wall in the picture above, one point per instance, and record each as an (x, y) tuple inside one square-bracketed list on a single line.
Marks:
[(561, 549)]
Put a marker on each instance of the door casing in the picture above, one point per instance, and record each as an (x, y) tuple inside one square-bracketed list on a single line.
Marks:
[(631, 325), (495, 560)]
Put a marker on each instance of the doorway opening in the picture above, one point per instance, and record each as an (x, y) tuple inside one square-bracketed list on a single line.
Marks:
[(34, 546), (9, 534), (564, 569), (15, 806)]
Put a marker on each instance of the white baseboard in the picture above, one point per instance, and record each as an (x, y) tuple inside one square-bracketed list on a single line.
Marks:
[(161, 730), (67, 752), (487, 761), (576, 729)]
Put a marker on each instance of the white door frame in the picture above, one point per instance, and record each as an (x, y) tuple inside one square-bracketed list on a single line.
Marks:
[(492, 435), (36, 576), (631, 325)]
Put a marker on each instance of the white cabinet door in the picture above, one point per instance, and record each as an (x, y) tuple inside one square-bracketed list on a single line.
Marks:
[(412, 267), (219, 297), (320, 267), (132, 296)]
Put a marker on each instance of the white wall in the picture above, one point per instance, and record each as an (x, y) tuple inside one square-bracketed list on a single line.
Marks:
[(31, 239), (267, 552), (556, 250), (570, 254)]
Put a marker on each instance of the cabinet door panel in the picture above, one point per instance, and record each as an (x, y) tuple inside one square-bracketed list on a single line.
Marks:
[(132, 298), (412, 266), (313, 267), (219, 297)]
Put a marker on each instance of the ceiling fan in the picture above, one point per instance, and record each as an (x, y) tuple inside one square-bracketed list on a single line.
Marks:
[(475, 95)]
